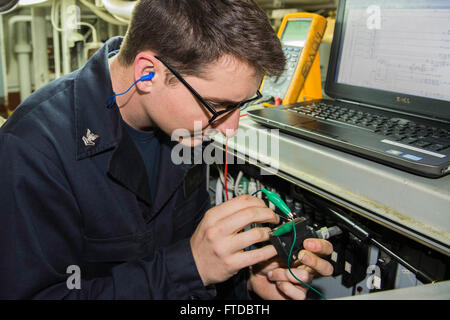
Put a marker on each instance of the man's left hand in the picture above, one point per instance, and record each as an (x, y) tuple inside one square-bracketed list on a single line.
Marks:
[(272, 280)]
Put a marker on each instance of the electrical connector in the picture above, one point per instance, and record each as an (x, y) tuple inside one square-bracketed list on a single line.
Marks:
[(282, 238), (252, 187), (278, 202), (326, 233)]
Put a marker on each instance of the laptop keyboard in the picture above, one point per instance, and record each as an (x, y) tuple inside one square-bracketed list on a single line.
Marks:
[(397, 129)]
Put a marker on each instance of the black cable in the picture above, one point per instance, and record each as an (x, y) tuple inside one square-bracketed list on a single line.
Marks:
[(420, 274), (364, 235)]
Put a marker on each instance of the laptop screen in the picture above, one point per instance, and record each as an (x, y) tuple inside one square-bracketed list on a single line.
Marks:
[(399, 49)]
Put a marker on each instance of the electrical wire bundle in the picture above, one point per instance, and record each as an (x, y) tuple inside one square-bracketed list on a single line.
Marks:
[(255, 188)]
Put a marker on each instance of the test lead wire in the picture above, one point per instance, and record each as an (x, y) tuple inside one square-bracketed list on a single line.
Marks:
[(226, 168)]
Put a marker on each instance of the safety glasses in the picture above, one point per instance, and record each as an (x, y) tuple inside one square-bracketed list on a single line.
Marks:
[(215, 114)]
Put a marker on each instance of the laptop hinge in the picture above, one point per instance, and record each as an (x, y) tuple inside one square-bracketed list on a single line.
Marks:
[(349, 101)]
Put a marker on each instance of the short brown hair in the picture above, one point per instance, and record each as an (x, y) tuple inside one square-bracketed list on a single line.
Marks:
[(190, 34)]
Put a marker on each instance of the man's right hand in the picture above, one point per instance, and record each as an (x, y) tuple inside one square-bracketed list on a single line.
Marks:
[(218, 245)]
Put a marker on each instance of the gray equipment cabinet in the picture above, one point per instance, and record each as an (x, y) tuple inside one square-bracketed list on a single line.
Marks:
[(415, 207)]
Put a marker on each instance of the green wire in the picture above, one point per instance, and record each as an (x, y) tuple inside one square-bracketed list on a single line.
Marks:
[(289, 259), (289, 267), (253, 194)]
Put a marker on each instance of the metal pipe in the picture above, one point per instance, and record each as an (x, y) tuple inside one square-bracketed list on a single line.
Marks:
[(101, 14), (66, 32), (3, 80), (40, 47), (56, 53), (11, 22), (120, 8), (21, 18), (23, 50)]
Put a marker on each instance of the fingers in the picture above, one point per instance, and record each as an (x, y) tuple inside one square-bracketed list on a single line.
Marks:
[(319, 246), (282, 274), (234, 205), (292, 291), (228, 227), (247, 216), (245, 239), (316, 263), (245, 259), (237, 204), (288, 285), (266, 266)]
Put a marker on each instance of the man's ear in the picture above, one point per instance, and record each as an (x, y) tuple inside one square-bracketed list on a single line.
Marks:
[(144, 70)]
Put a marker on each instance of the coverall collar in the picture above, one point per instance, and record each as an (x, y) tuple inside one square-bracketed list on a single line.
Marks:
[(92, 88)]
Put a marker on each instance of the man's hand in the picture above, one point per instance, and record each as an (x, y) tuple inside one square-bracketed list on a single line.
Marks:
[(217, 243), (272, 280)]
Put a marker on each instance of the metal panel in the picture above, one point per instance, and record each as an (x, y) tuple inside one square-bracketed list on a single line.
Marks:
[(415, 206)]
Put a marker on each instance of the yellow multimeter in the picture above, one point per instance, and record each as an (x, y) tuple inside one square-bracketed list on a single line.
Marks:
[(300, 35)]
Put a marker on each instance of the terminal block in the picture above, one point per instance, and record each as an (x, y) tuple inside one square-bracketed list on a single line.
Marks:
[(283, 237)]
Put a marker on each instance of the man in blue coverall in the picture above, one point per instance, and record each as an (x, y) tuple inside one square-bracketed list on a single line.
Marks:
[(92, 188)]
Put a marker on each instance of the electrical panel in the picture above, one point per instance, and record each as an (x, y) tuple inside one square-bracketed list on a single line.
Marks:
[(360, 266)]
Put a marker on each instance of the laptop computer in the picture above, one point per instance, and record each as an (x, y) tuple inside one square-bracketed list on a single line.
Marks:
[(389, 84)]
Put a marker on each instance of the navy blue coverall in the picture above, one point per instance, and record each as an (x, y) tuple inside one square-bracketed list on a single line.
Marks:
[(86, 202)]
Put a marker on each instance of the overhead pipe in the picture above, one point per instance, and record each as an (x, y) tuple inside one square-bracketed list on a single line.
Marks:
[(11, 22), (101, 14), (120, 8), (23, 51), (123, 9)]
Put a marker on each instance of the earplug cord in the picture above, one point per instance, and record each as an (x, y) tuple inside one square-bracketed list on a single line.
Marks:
[(226, 169), (148, 77), (113, 97)]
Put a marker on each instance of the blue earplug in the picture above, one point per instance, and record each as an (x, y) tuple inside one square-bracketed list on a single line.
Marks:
[(148, 77)]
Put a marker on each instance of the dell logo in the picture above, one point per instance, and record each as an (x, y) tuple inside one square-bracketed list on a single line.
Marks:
[(404, 100)]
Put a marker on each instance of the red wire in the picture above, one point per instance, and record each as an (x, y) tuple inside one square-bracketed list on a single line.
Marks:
[(226, 168)]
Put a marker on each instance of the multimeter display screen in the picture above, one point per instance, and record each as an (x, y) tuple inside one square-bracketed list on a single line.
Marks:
[(296, 32)]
